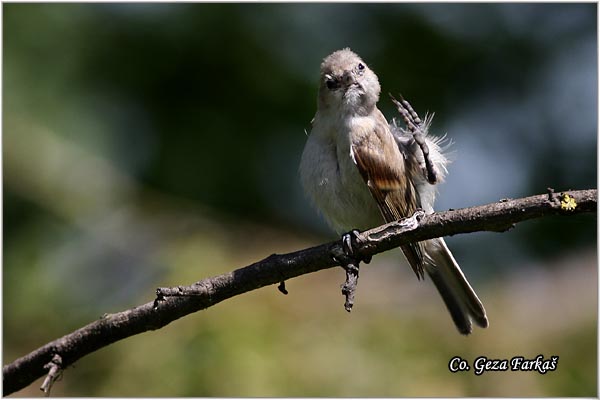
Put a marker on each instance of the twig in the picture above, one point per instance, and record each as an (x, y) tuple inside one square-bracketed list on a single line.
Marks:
[(54, 368), (552, 196), (276, 268), (282, 288), (349, 287)]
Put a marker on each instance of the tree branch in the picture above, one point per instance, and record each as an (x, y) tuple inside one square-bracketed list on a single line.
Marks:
[(174, 303)]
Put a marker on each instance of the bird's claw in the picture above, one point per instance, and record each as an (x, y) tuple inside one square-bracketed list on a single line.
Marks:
[(349, 241)]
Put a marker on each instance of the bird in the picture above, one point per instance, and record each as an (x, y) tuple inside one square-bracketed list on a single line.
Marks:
[(361, 171)]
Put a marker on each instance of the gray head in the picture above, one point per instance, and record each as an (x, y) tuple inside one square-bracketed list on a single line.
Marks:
[(347, 84)]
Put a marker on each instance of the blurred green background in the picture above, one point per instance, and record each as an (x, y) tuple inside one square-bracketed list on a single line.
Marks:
[(150, 145)]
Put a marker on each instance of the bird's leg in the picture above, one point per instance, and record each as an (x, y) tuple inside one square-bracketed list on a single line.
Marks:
[(414, 125)]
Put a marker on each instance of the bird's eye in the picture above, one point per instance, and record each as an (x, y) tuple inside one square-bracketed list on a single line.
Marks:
[(361, 66), (332, 84)]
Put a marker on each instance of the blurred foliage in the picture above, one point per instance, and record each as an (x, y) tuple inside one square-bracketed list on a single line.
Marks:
[(147, 145)]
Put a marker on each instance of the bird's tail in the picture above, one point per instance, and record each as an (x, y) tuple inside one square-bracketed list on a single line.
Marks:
[(460, 298)]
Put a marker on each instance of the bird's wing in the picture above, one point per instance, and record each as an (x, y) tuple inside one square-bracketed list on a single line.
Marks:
[(382, 167)]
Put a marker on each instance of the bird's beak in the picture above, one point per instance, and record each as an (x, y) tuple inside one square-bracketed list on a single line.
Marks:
[(348, 79)]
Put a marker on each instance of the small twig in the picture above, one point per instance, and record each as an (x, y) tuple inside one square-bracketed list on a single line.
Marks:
[(349, 258), (413, 123), (552, 198), (282, 288), (54, 368), (349, 287)]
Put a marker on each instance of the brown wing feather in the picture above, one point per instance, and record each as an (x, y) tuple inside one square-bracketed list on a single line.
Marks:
[(394, 193)]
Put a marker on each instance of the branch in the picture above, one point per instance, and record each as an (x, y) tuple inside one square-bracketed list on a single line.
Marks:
[(174, 303)]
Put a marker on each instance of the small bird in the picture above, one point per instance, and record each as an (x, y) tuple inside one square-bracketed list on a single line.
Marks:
[(361, 171)]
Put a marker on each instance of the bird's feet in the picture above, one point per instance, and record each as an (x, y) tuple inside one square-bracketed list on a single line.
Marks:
[(349, 242), (419, 130)]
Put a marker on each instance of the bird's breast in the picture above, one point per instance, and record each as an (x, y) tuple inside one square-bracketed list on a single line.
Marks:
[(334, 184)]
